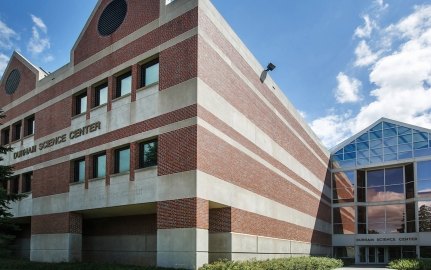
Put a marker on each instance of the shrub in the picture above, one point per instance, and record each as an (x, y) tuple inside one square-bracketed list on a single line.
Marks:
[(406, 264), (294, 263)]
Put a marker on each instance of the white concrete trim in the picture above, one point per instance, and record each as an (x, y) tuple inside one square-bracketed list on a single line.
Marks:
[(292, 164), (241, 198), (217, 19), (222, 109)]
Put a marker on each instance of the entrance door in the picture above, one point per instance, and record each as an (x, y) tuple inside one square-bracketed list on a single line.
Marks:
[(372, 255)]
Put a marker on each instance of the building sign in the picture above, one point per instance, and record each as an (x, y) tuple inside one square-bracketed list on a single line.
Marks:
[(386, 240), (74, 134)]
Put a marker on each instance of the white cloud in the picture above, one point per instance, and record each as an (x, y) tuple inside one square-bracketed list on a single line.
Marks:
[(48, 58), (39, 23), (38, 43), (365, 30), (364, 55), (347, 89), (3, 63), (7, 35), (381, 4), (401, 79)]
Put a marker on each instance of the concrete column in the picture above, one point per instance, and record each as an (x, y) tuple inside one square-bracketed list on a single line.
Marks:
[(134, 149), (182, 233), (109, 165), (56, 238)]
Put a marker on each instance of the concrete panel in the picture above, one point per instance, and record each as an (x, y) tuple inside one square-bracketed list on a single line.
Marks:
[(220, 242), (244, 243), (57, 203), (343, 240), (300, 247), (182, 240), (22, 208), (56, 247), (273, 245), (185, 260)]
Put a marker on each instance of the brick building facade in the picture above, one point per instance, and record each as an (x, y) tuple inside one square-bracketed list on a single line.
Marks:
[(158, 144)]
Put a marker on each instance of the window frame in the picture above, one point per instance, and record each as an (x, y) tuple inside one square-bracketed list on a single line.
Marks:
[(16, 133), (141, 160), (76, 170), (29, 125), (77, 103), (117, 159), (97, 90), (14, 188), (27, 178), (96, 166), (144, 67), (119, 79), (5, 133)]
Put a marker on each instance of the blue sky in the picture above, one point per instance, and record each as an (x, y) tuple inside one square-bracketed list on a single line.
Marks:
[(342, 63)]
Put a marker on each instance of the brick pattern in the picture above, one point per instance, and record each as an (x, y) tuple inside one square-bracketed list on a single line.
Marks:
[(224, 161), (51, 180), (150, 124), (56, 223), (183, 213), (178, 63), (218, 38), (53, 118), (177, 151), (124, 225), (220, 220), (164, 33), (139, 13), (250, 223), (220, 125), (27, 83), (222, 79)]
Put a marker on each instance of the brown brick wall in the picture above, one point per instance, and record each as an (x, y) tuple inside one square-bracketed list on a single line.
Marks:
[(150, 124), (220, 220), (51, 180), (178, 63), (183, 213), (223, 161), (218, 38), (54, 118), (124, 225), (143, 44), (27, 83), (139, 14), (222, 79), (177, 151), (56, 223)]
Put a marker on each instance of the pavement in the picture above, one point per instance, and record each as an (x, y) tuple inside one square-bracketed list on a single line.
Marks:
[(368, 267)]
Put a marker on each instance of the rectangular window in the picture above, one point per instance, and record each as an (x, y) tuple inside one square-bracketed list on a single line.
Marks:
[(5, 136), (122, 160), (79, 170), (27, 178), (150, 72), (14, 187), (80, 103), (344, 220), (99, 165), (148, 154), (101, 95), (124, 84), (16, 131), (425, 252), (29, 126)]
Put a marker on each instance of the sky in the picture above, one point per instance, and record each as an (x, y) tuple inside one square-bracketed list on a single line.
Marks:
[(342, 63)]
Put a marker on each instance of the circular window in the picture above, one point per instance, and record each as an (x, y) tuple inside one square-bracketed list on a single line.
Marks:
[(12, 82), (112, 17)]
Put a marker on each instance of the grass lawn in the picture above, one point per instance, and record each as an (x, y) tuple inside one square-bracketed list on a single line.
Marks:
[(18, 264)]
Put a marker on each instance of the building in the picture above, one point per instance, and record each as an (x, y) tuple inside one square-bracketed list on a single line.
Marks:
[(159, 144), (381, 194)]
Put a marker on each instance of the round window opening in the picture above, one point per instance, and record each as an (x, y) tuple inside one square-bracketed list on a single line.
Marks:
[(12, 82), (112, 17)]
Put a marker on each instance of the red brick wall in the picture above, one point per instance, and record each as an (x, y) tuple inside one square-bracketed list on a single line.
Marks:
[(139, 13), (224, 161), (56, 223), (220, 220), (183, 213), (54, 118), (177, 151), (222, 79), (51, 180), (178, 63), (124, 225), (27, 82)]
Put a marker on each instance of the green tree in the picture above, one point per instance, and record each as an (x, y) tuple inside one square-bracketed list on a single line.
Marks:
[(424, 218), (7, 226)]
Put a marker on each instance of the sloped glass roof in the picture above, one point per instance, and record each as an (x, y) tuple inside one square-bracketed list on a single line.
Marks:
[(381, 143)]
